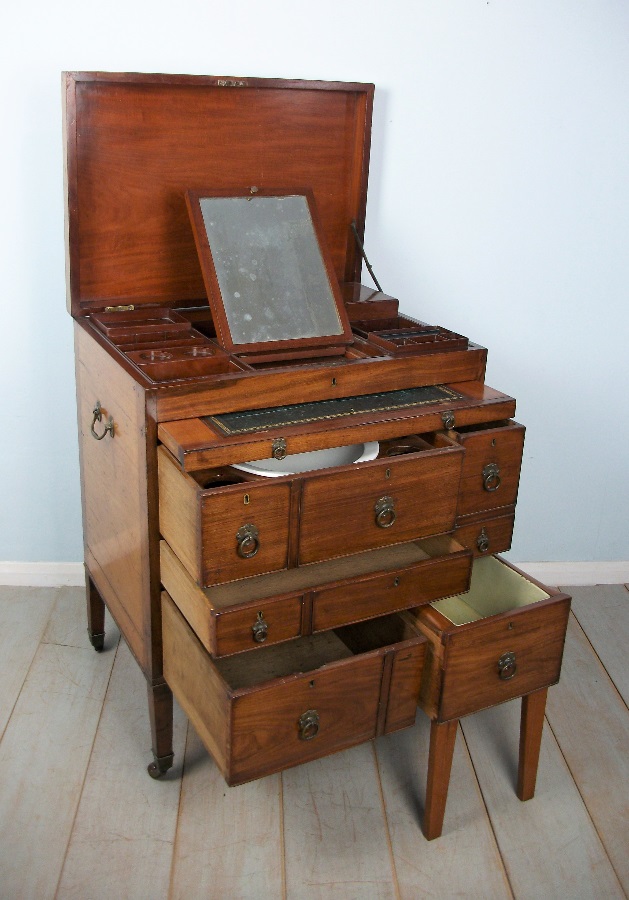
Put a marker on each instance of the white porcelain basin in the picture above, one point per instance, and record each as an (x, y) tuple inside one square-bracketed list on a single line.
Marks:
[(314, 459)]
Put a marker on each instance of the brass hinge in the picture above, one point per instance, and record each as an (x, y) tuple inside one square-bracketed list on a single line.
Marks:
[(119, 308)]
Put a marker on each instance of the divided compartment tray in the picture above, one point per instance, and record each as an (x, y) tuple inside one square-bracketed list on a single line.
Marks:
[(402, 335), (144, 324)]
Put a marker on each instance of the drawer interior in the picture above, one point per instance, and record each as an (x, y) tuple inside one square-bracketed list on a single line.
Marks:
[(495, 588), (307, 654)]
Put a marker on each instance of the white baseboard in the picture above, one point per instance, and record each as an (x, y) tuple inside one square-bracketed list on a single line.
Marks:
[(577, 573), (50, 574), (42, 574)]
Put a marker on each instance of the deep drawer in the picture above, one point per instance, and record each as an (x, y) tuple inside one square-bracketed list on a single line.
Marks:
[(502, 640), (491, 469), (249, 614), (225, 524), (263, 712)]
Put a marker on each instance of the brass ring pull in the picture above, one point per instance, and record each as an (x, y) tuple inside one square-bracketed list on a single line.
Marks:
[(507, 666), (385, 512), (448, 419), (491, 477), (278, 448), (247, 541), (260, 629), (482, 541), (308, 725), (98, 416)]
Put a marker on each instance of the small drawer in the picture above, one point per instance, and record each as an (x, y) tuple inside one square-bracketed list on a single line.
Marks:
[(501, 640), (491, 468), (244, 615), (225, 524), (486, 533), (263, 712)]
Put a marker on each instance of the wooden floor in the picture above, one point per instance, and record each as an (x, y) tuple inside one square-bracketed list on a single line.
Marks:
[(80, 817)]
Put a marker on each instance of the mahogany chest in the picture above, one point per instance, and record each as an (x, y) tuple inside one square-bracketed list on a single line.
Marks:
[(292, 491)]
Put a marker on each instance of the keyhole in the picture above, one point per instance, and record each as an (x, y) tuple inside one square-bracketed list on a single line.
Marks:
[(246, 499)]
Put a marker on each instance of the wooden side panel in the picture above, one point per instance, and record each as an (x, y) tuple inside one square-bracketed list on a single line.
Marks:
[(114, 486), (195, 683), (423, 491), (408, 665), (178, 511), (535, 634)]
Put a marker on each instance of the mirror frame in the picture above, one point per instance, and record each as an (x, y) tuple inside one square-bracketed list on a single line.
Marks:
[(319, 344)]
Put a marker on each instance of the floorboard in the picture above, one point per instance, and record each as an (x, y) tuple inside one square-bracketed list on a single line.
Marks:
[(591, 724), (548, 844), (80, 818), (603, 612), (474, 868), (124, 815), (229, 839), (24, 614), (43, 759)]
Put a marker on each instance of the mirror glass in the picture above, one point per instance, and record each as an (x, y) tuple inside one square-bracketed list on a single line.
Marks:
[(270, 271)]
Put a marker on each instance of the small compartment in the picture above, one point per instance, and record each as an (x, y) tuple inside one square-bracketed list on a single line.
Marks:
[(151, 323), (502, 639), (288, 704), (491, 468), (485, 534), (401, 335), (169, 362), (245, 615)]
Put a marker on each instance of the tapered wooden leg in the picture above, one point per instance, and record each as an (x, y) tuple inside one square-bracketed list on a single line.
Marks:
[(95, 614), (160, 699), (531, 725), (442, 738)]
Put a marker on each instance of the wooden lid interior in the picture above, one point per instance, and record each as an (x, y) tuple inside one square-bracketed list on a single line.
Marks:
[(136, 143)]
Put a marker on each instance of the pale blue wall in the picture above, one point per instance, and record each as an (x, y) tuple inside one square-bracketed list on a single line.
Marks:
[(498, 206)]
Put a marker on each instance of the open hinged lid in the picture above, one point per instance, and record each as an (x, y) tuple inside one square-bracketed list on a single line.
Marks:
[(136, 143)]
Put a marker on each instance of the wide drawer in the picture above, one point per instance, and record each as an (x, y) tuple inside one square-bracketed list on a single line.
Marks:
[(491, 470), (263, 712), (244, 615), (501, 640), (226, 524)]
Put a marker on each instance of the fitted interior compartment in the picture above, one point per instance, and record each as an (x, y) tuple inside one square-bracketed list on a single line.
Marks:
[(307, 654), (495, 588)]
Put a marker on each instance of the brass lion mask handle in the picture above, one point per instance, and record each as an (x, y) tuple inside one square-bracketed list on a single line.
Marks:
[(385, 512), (247, 541)]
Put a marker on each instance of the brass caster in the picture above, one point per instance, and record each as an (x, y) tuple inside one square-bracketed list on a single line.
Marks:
[(160, 766)]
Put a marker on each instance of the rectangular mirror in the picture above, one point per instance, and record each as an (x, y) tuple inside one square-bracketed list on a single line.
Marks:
[(270, 283)]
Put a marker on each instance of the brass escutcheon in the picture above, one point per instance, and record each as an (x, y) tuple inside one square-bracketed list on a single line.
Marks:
[(385, 512), (308, 725), (260, 629), (247, 541), (491, 477), (507, 666), (98, 415)]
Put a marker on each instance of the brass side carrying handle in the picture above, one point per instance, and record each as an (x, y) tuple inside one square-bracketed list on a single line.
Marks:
[(507, 666), (308, 725), (98, 416), (247, 541), (385, 512), (260, 629), (491, 477)]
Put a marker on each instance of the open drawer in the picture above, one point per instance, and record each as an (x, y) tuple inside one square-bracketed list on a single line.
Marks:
[(284, 705), (244, 615), (491, 471), (503, 639), (226, 524)]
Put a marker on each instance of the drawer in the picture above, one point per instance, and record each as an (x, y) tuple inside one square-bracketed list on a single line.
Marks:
[(244, 615), (491, 469), (487, 532), (225, 524), (262, 712), (502, 640)]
